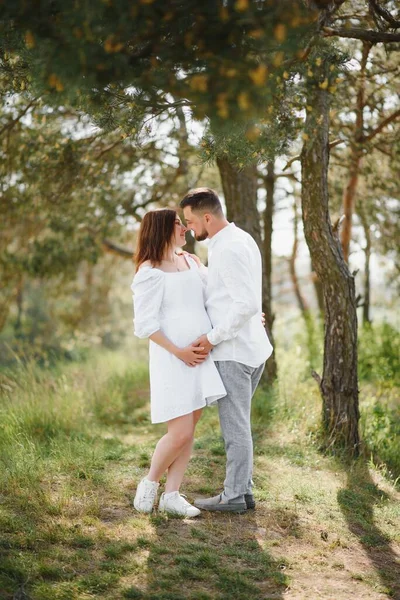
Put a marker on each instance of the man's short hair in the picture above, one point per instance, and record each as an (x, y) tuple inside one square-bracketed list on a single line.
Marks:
[(203, 200)]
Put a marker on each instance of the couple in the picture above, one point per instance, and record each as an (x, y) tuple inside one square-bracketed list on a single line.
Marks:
[(207, 345)]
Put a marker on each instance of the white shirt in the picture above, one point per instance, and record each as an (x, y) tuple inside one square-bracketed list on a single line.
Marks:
[(234, 296)]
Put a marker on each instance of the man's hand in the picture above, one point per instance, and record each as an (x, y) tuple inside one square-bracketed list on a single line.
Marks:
[(263, 319), (195, 258), (204, 343)]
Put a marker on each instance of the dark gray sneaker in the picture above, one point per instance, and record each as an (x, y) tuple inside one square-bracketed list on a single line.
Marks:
[(250, 502), (217, 504)]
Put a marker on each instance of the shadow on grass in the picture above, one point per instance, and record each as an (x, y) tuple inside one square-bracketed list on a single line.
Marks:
[(54, 539), (212, 557), (62, 548), (357, 503), (59, 563), (46, 554)]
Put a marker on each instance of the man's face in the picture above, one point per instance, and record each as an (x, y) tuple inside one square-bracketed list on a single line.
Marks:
[(196, 223)]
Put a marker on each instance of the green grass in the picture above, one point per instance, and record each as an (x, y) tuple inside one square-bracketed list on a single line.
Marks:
[(75, 440)]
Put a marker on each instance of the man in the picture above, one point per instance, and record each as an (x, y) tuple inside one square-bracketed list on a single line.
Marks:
[(238, 340)]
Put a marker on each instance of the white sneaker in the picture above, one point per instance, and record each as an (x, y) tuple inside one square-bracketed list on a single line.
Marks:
[(146, 495), (175, 503)]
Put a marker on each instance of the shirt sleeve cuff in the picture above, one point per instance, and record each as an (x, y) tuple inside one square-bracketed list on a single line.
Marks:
[(212, 337)]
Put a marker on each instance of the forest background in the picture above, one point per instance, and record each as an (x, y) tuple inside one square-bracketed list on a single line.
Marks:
[(291, 113)]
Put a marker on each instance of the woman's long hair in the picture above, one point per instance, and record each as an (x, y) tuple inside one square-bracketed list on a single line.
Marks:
[(155, 235)]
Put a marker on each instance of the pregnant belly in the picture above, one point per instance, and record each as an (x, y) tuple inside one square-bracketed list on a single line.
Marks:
[(185, 329)]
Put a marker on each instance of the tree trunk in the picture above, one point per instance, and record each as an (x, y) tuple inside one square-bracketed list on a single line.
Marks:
[(240, 192), (367, 281), (190, 245), (349, 196), (339, 379), (8, 295), (318, 290), (312, 348), (86, 309), (19, 301), (301, 301), (271, 370), (183, 167)]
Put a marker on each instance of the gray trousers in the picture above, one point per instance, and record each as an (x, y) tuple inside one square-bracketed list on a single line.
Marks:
[(240, 382)]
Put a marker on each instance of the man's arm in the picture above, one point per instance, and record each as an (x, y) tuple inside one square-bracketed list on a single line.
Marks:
[(239, 283), (190, 355)]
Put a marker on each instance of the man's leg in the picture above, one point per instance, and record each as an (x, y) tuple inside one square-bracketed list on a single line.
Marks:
[(255, 380), (234, 412), (234, 415)]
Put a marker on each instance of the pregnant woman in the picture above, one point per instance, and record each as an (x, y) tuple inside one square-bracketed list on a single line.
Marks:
[(169, 310)]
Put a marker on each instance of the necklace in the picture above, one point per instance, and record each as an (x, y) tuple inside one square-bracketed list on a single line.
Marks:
[(172, 262)]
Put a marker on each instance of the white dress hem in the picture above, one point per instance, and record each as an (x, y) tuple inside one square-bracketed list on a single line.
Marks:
[(208, 402)]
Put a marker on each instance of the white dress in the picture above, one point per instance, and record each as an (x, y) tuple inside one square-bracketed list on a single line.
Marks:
[(174, 303)]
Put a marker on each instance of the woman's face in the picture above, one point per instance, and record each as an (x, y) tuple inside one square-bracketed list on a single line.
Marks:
[(178, 239)]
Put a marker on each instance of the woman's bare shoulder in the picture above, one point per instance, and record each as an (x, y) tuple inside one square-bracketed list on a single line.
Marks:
[(146, 263)]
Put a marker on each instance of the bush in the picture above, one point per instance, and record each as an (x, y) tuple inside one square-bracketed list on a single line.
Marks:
[(380, 423), (379, 354)]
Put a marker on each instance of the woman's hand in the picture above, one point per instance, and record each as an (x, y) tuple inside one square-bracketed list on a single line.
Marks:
[(195, 258), (190, 355)]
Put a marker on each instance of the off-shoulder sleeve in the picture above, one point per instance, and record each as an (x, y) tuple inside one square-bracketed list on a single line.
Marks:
[(148, 290), (202, 270)]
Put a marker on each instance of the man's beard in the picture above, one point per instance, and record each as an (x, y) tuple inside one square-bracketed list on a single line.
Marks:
[(202, 236)]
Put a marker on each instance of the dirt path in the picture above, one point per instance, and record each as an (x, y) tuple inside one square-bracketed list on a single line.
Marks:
[(320, 529)]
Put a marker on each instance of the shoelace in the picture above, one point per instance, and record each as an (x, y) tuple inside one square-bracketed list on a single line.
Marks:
[(182, 498), (149, 494), (184, 501)]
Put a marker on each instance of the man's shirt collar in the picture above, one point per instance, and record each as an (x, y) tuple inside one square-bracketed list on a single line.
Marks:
[(221, 235)]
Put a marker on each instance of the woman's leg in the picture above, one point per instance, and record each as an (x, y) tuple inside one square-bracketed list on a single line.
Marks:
[(177, 469), (169, 447)]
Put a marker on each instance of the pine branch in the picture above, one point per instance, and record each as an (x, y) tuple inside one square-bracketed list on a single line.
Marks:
[(110, 246), (287, 176), (167, 105), (367, 35), (304, 54), (131, 209), (384, 13), (382, 125), (384, 150), (370, 99), (316, 377), (110, 147), (331, 145), (348, 16), (13, 122), (116, 249)]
